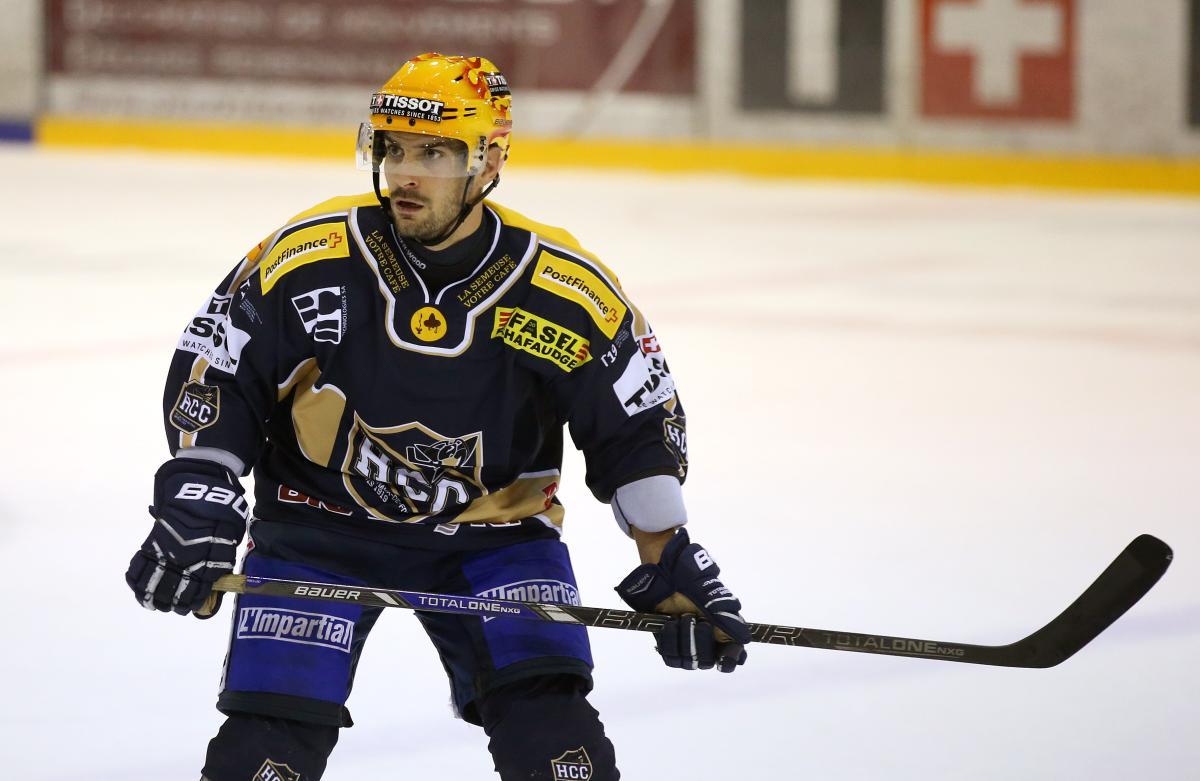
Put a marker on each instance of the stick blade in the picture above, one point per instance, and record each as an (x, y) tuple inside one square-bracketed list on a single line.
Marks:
[(1119, 587)]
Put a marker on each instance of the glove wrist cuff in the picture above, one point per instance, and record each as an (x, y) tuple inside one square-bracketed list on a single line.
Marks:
[(645, 587)]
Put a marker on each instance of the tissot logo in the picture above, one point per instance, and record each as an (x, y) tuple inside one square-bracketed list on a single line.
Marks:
[(213, 335), (497, 84), (646, 381), (407, 106)]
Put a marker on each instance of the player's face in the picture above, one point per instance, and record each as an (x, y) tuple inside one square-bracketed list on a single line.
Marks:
[(425, 177)]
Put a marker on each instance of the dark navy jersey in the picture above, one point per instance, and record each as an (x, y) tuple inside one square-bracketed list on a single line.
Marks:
[(365, 399)]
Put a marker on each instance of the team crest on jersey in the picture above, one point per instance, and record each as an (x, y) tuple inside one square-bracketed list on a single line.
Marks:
[(675, 438), (197, 407), (275, 771), (411, 472), (574, 765), (323, 313), (428, 324)]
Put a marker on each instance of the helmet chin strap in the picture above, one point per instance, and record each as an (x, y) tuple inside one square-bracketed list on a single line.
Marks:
[(463, 212)]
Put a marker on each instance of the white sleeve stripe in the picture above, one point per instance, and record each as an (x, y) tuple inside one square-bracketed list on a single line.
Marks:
[(215, 455)]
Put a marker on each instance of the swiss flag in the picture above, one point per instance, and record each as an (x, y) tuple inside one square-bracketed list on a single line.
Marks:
[(1010, 59)]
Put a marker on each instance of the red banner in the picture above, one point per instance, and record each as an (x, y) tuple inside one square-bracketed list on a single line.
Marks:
[(565, 45), (998, 58)]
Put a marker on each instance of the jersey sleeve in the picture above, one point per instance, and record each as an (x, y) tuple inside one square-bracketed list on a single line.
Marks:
[(229, 363), (622, 407)]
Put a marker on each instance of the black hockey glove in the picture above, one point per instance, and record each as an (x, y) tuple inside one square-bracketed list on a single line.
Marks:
[(709, 629), (199, 519)]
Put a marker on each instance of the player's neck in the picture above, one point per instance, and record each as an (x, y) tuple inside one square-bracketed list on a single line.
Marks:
[(441, 266)]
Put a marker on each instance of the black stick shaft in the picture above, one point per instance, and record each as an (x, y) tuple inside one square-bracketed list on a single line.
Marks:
[(1117, 589)]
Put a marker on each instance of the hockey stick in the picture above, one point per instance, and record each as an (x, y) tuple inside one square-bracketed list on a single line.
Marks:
[(1118, 588)]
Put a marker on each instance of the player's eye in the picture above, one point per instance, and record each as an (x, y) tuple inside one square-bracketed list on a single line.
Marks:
[(432, 153)]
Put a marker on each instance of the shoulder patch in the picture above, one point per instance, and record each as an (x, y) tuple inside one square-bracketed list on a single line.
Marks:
[(197, 407), (307, 245), (538, 336), (577, 283)]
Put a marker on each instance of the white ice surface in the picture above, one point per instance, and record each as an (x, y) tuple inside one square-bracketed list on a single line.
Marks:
[(931, 413)]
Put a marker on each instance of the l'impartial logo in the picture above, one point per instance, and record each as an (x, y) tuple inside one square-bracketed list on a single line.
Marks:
[(573, 765)]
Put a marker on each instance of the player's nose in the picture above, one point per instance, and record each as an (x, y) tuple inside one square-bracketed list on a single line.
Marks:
[(406, 182)]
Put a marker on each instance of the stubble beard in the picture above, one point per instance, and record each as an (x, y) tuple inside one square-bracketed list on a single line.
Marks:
[(421, 230), (430, 223)]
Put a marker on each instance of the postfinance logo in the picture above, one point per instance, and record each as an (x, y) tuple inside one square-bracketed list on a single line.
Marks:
[(538, 336), (576, 283), (307, 245)]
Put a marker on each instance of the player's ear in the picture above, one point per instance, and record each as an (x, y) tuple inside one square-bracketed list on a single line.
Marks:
[(495, 159)]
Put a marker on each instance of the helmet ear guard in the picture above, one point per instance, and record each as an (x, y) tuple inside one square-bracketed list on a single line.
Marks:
[(477, 160)]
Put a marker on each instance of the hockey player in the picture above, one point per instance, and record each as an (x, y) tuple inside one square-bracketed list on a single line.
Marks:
[(396, 369)]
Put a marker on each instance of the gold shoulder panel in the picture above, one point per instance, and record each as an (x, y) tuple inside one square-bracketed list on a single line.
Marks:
[(558, 236), (253, 260), (342, 203)]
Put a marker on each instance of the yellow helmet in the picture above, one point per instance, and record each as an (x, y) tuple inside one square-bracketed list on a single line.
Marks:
[(464, 98)]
